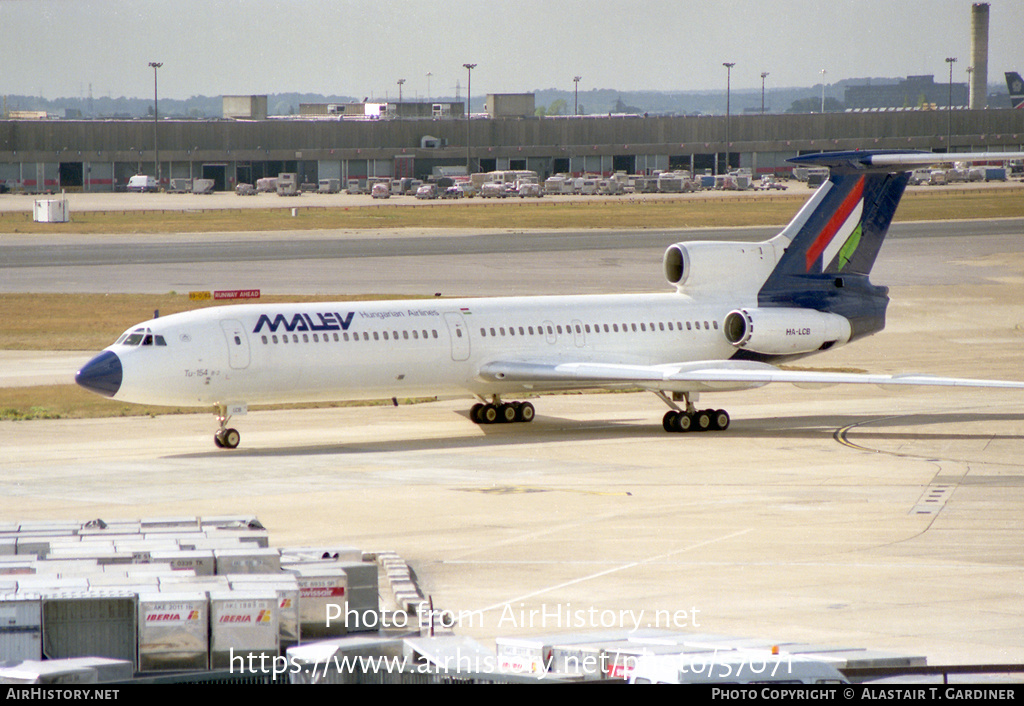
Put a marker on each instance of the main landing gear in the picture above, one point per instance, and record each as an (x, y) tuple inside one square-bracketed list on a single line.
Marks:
[(225, 438), (690, 418), (702, 420), (498, 412)]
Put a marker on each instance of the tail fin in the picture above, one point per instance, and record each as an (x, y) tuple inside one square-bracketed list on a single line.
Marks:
[(835, 239), (1015, 86), (831, 244)]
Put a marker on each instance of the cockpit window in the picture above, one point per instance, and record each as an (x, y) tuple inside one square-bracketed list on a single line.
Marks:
[(141, 337)]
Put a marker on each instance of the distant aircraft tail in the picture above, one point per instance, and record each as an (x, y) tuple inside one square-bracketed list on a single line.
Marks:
[(1015, 86)]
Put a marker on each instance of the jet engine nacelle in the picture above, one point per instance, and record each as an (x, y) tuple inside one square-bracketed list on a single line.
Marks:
[(719, 266), (785, 331)]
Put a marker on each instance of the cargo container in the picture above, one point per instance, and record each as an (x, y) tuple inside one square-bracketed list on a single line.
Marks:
[(322, 591), (288, 184), (90, 624), (174, 631), (243, 624), (21, 628)]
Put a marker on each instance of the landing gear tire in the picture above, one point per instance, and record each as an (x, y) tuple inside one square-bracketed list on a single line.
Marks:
[(720, 420), (227, 439), (507, 413), (685, 422), (670, 422), (525, 413), (702, 420)]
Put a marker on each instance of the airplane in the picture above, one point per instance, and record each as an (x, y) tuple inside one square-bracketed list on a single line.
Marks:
[(738, 310), (1015, 86)]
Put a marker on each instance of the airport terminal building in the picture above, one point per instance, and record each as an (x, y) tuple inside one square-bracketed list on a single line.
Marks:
[(101, 155)]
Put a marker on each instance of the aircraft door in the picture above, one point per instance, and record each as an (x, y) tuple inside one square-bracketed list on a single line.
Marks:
[(549, 332), (459, 334), (579, 336), (238, 344)]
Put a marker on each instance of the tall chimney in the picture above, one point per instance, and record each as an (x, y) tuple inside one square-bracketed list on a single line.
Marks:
[(979, 55)]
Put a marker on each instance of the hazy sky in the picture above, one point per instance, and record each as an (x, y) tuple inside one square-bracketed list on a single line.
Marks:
[(58, 48)]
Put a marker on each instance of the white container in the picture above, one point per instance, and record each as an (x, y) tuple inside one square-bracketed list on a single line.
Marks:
[(51, 211)]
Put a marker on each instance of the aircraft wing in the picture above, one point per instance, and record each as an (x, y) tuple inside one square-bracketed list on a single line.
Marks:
[(701, 376)]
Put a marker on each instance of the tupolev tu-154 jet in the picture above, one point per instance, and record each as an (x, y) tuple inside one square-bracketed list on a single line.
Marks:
[(738, 309)]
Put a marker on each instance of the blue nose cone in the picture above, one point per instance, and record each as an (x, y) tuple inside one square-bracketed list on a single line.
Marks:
[(101, 375)]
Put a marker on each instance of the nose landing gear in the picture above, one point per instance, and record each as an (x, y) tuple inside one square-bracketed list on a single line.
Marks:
[(225, 437)]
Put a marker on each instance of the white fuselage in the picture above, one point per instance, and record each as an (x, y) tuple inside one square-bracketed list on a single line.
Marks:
[(275, 353)]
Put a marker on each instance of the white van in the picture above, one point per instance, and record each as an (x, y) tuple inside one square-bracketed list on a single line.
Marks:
[(733, 667), (141, 182)]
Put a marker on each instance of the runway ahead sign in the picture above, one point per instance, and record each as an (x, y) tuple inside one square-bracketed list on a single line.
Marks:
[(225, 294)]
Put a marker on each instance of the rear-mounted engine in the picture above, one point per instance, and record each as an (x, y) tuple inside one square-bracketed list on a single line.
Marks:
[(785, 331)]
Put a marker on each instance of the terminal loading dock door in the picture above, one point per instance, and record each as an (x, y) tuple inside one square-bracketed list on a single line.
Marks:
[(218, 173)]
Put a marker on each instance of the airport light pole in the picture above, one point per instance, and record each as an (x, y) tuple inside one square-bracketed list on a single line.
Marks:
[(469, 92), (156, 116), (823, 72), (728, 91), (400, 82), (576, 95), (764, 75), (949, 108)]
